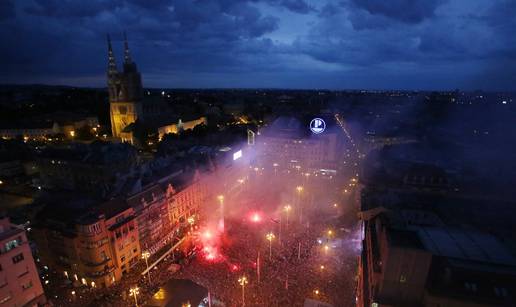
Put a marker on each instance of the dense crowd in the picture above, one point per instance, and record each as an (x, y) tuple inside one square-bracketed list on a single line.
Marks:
[(287, 278)]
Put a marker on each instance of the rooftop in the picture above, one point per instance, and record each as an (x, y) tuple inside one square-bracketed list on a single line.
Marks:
[(461, 244)]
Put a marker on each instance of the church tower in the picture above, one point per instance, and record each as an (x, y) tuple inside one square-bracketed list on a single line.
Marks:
[(125, 93)]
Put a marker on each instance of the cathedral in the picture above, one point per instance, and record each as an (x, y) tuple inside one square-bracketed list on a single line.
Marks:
[(128, 111), (125, 92)]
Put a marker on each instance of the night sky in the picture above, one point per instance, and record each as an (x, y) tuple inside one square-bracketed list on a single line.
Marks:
[(342, 44)]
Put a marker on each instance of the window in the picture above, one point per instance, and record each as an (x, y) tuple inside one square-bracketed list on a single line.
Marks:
[(18, 258), (403, 278), (470, 286), (11, 244), (27, 285), (500, 292)]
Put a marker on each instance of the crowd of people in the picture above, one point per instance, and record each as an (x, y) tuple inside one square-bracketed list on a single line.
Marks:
[(299, 268)]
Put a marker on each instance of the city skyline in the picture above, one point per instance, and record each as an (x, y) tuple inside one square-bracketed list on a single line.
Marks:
[(425, 45)]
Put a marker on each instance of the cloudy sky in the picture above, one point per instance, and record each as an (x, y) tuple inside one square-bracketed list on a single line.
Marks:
[(341, 44)]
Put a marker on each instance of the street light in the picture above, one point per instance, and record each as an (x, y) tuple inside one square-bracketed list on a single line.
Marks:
[(270, 236), (146, 256), (191, 221), (243, 281), (221, 201), (287, 209), (299, 190), (134, 292)]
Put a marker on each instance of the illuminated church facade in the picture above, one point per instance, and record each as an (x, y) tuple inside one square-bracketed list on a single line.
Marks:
[(125, 92), (127, 108)]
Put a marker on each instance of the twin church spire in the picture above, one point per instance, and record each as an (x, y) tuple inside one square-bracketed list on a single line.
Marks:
[(112, 67)]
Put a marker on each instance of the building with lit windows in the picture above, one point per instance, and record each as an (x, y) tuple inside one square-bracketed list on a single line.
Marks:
[(152, 216), (186, 193), (19, 279), (288, 143), (95, 249)]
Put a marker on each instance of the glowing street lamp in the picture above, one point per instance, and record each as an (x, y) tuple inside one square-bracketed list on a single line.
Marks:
[(146, 256), (191, 221), (330, 232), (270, 236), (326, 248), (243, 281), (287, 209), (221, 201), (299, 189), (134, 292)]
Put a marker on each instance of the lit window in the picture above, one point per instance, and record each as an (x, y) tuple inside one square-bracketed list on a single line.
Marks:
[(27, 285), (11, 244)]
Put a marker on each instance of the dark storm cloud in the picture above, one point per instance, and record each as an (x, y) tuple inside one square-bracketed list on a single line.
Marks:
[(298, 6), (248, 43), (409, 11), (6, 9)]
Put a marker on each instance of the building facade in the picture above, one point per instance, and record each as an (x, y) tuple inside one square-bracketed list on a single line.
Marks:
[(125, 92), (19, 278), (96, 249), (180, 125), (185, 195), (286, 143), (152, 215), (410, 258)]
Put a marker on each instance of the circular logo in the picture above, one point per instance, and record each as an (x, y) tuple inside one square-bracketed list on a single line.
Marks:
[(317, 125)]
